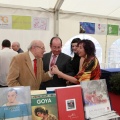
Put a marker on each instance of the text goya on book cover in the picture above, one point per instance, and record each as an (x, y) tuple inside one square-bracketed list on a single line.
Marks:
[(46, 105)]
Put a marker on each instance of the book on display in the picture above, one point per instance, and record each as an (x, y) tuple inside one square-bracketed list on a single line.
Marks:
[(15, 103), (111, 115), (95, 97), (70, 103), (46, 105), (36, 92), (52, 89)]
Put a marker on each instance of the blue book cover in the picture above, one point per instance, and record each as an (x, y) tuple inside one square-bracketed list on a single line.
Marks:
[(15, 103)]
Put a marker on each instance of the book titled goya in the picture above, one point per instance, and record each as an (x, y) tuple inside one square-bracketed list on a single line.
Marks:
[(44, 107), (96, 98), (15, 103), (70, 103)]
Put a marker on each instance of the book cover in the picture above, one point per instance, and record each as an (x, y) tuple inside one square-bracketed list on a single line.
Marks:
[(36, 92), (44, 107), (70, 103), (95, 96), (52, 89), (111, 115), (15, 103)]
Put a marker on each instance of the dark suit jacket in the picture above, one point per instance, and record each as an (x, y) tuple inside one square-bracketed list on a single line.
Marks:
[(20, 50), (64, 64), (21, 72)]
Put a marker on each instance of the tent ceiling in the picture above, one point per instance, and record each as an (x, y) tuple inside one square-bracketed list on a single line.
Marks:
[(26, 4), (105, 8)]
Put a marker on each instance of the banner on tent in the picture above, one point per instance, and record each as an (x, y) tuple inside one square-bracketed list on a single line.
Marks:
[(88, 27), (119, 30), (5, 22), (112, 29), (39, 23), (101, 29), (23, 22)]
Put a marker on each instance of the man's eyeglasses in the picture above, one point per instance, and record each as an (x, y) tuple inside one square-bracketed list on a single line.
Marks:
[(56, 48), (40, 47)]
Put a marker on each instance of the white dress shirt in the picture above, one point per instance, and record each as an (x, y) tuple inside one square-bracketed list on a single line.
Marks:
[(31, 58), (6, 55), (52, 58)]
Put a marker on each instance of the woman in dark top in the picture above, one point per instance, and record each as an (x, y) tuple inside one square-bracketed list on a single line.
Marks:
[(76, 58)]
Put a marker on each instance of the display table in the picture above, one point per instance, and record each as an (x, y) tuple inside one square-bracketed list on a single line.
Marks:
[(111, 70), (106, 73), (114, 102)]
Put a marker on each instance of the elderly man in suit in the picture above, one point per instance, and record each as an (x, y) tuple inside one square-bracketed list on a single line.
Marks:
[(62, 61), (16, 47), (24, 71)]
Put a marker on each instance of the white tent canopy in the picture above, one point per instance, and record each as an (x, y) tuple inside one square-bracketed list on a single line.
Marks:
[(64, 18), (103, 8)]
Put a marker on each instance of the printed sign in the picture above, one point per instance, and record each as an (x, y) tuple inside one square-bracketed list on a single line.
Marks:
[(39, 23), (5, 22)]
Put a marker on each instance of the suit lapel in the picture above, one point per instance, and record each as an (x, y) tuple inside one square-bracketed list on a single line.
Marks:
[(48, 60), (29, 65), (59, 59), (38, 68), (48, 57)]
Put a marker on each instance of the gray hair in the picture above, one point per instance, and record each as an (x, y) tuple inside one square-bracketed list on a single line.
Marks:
[(16, 43), (29, 47), (33, 43)]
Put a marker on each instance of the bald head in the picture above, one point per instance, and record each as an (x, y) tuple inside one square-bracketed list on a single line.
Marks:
[(16, 43), (35, 43), (15, 46), (37, 48)]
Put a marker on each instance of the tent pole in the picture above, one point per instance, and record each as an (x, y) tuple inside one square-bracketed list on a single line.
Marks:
[(56, 23), (56, 18), (106, 50)]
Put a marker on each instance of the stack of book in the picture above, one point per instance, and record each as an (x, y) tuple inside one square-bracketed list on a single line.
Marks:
[(111, 115), (52, 89), (89, 100), (37, 92)]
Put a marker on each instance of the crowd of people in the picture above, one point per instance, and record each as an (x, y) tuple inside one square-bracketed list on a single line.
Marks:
[(39, 70)]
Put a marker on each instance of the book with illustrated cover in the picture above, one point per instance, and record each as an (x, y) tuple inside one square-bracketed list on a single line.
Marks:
[(70, 103), (95, 97), (44, 107), (15, 103)]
